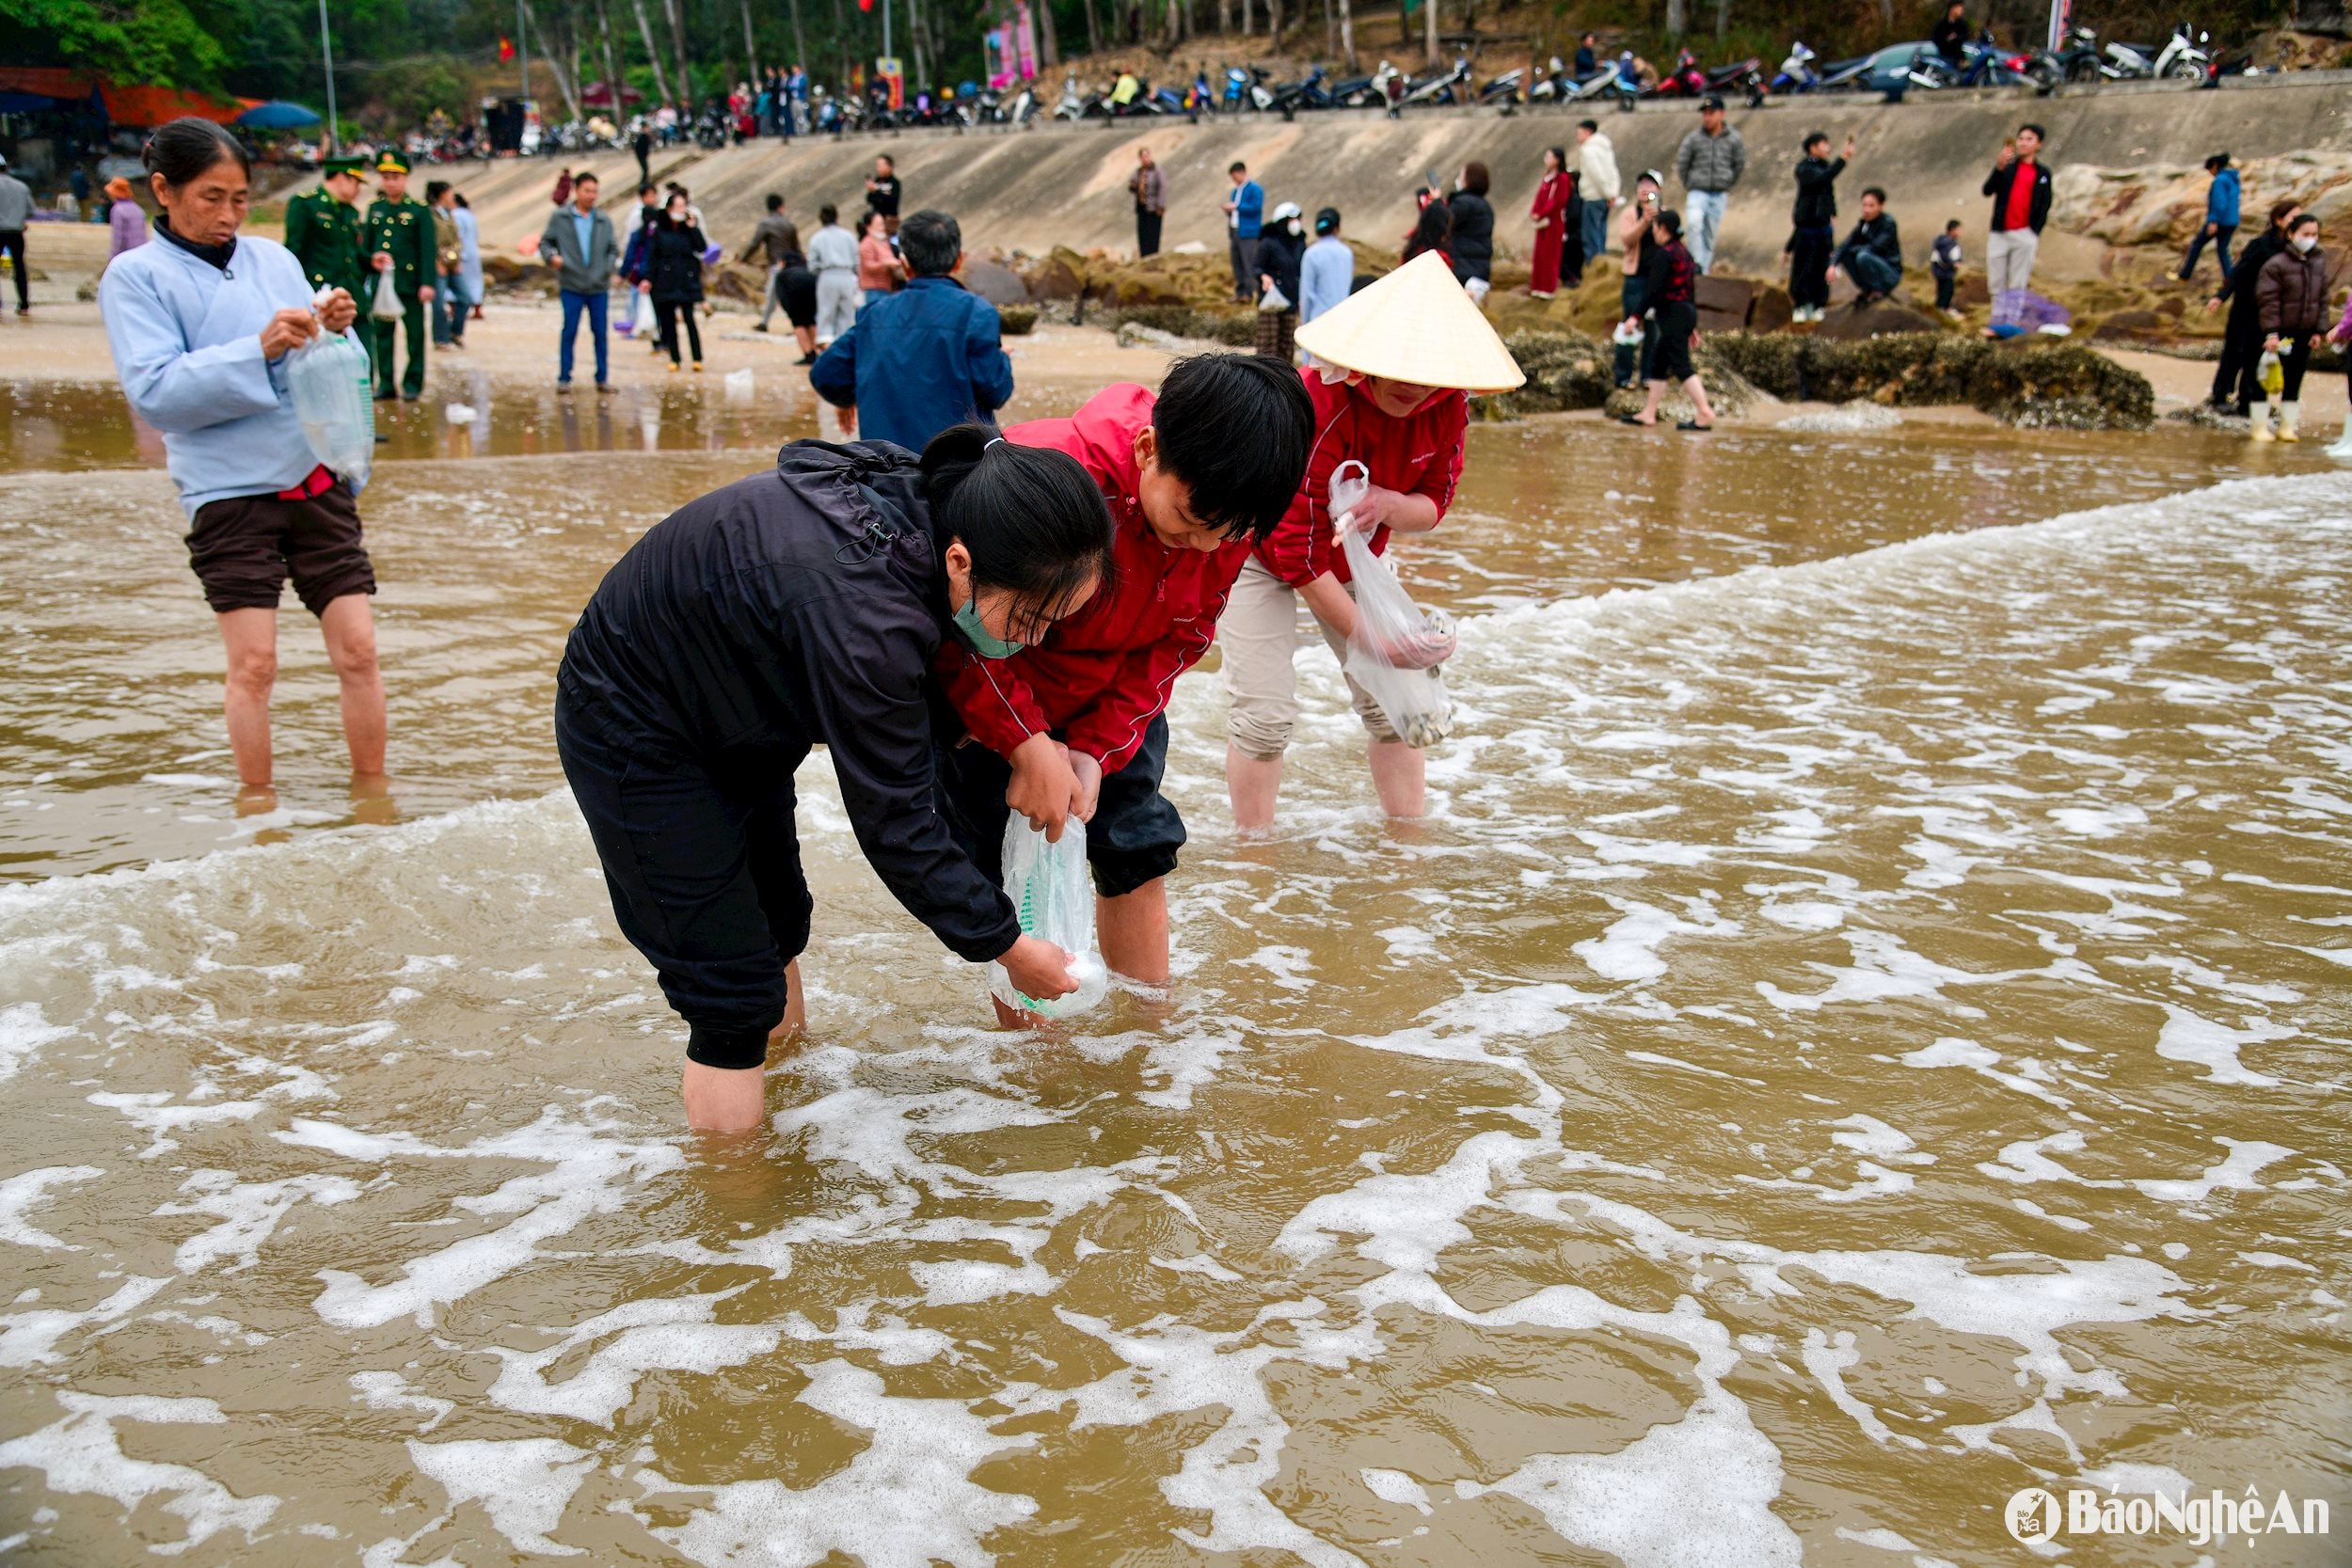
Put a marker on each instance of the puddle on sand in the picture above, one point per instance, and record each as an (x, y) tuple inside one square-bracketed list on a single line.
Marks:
[(1859, 1036)]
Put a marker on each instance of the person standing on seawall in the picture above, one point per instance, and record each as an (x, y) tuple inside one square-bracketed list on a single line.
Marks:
[(16, 211), (804, 607), (2020, 188), (578, 242), (2235, 388), (1944, 263), (200, 345), (883, 193), (2292, 294), (399, 237), (2221, 215), (1813, 226), (1244, 213), (1598, 187), (1401, 353), (1149, 186), (1554, 214), (1473, 247), (1711, 161)]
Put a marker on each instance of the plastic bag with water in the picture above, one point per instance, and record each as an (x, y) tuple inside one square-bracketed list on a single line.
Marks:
[(387, 305), (1398, 648), (2269, 374), (328, 377), (1054, 897)]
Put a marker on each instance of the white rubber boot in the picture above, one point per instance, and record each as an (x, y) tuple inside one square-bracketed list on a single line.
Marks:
[(2344, 442), (2258, 415), (2289, 415)]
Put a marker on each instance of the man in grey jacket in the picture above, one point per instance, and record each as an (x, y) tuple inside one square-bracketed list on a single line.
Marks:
[(578, 241), (1711, 161), (16, 211)]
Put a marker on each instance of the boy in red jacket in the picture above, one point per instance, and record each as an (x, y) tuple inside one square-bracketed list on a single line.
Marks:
[(1077, 725)]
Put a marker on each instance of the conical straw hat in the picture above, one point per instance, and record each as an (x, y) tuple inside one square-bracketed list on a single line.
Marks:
[(1415, 324)]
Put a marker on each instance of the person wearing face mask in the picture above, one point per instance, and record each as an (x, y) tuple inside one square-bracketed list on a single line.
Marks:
[(1075, 724), (674, 276), (1400, 355), (2292, 294), (1281, 249), (799, 607), (2235, 382)]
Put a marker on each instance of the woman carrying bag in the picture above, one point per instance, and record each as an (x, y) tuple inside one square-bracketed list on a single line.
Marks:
[(1280, 247)]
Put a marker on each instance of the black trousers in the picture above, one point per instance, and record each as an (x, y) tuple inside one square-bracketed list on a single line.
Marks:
[(12, 243), (1809, 250), (2235, 379), (667, 313), (703, 863), (1131, 842), (1946, 283), (1148, 231)]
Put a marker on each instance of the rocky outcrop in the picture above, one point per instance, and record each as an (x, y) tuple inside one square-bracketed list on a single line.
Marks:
[(2033, 384), (1854, 321), (2163, 203), (1570, 370)]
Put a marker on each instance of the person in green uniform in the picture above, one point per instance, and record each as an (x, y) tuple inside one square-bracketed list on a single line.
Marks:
[(323, 231), (399, 237)]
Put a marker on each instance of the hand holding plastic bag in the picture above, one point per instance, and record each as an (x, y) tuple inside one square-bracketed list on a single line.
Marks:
[(1054, 897), (1397, 648), (329, 379), (387, 305)]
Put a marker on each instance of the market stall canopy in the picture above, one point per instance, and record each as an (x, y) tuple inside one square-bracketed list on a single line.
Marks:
[(30, 89), (275, 114), (149, 106), (598, 95)]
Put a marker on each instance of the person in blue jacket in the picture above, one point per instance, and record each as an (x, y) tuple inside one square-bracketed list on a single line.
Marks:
[(2221, 214), (202, 322), (922, 359), (1244, 212)]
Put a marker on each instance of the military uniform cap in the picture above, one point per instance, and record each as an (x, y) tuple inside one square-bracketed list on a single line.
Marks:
[(343, 166), (391, 161)]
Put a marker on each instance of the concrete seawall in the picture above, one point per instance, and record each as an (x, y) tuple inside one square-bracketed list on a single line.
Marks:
[(1066, 185)]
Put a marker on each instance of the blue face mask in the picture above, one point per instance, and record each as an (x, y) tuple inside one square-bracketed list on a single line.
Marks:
[(984, 642)]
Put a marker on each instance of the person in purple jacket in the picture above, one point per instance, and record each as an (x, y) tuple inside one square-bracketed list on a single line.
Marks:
[(126, 220)]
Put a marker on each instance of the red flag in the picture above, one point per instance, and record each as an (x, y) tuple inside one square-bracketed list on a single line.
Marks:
[(506, 49)]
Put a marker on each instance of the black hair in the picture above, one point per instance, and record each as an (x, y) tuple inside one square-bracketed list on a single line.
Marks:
[(886, 158), (187, 146), (1813, 139), (775, 202), (647, 190), (2302, 218), (586, 177), (1234, 429), (1034, 520), (2215, 164), (1238, 168), (1671, 221), (1951, 225), (1592, 125), (1559, 156), (459, 197), (433, 190), (2039, 133), (828, 214), (1474, 179), (931, 242), (2279, 210), (1433, 230), (1879, 191)]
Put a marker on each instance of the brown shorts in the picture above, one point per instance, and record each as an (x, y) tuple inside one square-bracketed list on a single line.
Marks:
[(244, 548)]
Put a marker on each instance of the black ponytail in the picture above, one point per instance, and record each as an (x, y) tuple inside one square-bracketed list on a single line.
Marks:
[(1034, 521), (185, 148)]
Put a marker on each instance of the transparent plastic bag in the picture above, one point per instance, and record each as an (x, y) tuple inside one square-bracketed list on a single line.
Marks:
[(387, 305), (329, 379), (1054, 895), (2270, 373), (1398, 649)]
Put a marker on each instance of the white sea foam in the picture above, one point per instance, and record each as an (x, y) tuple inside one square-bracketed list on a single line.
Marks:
[(523, 1484), (27, 1190), (82, 1453)]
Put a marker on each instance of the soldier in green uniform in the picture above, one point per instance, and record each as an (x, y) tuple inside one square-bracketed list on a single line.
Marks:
[(399, 239), (323, 231)]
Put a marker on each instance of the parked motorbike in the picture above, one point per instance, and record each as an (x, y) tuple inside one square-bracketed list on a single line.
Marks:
[(1504, 89), (2183, 57), (1687, 80), (1305, 94), (1620, 83), (1553, 85), (1745, 77), (1443, 87), (1245, 89), (2076, 60), (1796, 75)]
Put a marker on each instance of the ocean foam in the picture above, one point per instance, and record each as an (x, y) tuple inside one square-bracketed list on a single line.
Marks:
[(82, 1453)]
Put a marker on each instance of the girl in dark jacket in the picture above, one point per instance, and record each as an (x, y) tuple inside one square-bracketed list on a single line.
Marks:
[(1473, 233), (1280, 247), (2235, 384), (799, 607), (673, 266), (1670, 295)]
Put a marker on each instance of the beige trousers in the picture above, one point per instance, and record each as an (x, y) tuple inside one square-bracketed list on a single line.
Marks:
[(1258, 634)]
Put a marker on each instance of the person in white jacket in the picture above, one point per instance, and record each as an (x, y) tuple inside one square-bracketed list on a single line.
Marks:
[(1597, 186)]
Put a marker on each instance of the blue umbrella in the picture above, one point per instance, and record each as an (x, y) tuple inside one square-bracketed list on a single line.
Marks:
[(275, 114)]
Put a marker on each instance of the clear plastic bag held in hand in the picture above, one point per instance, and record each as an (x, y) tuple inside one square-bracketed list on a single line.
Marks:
[(1397, 647), (387, 305), (329, 379), (1054, 897)]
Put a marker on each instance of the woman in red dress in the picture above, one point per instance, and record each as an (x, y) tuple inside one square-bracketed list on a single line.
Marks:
[(1554, 198)]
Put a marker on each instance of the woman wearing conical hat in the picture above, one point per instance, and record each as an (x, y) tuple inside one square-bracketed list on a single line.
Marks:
[(1395, 363)]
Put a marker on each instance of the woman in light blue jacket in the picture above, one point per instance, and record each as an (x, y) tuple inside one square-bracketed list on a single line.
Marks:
[(200, 321), (469, 253)]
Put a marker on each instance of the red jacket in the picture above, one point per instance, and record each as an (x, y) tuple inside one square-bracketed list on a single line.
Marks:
[(1420, 454), (1102, 675)]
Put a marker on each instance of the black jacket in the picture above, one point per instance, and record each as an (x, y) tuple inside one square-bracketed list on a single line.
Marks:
[(2238, 287), (1817, 192), (1951, 40), (1877, 235), (1473, 245), (1278, 255), (797, 609), (1997, 184), (674, 262)]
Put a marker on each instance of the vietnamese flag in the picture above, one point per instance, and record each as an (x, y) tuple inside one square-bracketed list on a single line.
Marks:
[(506, 49)]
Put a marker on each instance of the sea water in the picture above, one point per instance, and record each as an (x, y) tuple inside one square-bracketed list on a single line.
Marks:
[(1860, 1034)]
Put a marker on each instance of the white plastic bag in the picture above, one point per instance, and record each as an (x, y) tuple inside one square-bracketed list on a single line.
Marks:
[(1398, 648), (387, 305), (328, 378), (1054, 898), (1274, 301)]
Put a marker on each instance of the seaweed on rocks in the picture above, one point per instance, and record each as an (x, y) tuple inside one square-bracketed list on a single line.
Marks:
[(2033, 384)]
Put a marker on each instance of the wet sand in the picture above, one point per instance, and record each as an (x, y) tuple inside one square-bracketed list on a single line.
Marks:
[(1860, 1034)]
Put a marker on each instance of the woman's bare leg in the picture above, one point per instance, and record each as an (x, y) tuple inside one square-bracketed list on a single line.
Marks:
[(1400, 776), (1253, 785)]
